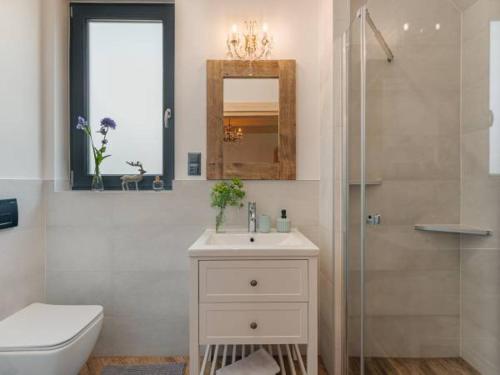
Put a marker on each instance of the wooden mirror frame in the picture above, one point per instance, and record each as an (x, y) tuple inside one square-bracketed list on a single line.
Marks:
[(217, 71)]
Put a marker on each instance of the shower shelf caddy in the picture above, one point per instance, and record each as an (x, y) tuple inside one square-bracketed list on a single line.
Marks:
[(370, 182), (249, 296), (453, 228)]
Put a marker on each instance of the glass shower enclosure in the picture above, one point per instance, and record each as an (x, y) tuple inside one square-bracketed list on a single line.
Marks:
[(422, 253)]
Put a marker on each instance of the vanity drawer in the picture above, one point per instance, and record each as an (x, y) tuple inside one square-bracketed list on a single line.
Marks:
[(253, 281), (253, 323)]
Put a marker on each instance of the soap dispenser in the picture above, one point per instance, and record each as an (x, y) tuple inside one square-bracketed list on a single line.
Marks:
[(283, 223)]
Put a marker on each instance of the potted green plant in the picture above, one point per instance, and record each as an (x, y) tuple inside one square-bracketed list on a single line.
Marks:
[(224, 194)]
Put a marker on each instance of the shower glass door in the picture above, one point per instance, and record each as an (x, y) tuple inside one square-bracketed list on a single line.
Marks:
[(354, 148), (403, 124)]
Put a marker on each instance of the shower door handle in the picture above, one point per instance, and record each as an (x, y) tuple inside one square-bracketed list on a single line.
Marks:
[(373, 219)]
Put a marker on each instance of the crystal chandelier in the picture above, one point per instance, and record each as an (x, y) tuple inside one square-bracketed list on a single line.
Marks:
[(232, 135), (250, 45)]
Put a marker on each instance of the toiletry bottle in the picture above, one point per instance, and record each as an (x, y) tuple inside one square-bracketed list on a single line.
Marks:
[(264, 224), (283, 224)]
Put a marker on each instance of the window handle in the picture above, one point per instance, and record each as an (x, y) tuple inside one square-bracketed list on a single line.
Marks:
[(167, 117)]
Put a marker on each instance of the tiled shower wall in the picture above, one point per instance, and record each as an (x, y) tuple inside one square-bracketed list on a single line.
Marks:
[(413, 147), (480, 206)]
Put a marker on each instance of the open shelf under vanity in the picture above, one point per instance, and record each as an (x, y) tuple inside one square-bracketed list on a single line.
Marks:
[(288, 357)]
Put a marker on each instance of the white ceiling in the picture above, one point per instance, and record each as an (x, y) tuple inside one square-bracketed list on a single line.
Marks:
[(463, 4)]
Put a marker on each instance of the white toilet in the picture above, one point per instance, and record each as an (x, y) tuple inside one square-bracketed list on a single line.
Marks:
[(48, 339)]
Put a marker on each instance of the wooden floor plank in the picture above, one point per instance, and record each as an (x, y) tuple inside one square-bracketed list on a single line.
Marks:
[(95, 364), (412, 366), (374, 366)]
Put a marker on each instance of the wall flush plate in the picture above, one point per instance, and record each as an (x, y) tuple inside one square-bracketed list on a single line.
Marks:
[(194, 164), (8, 213)]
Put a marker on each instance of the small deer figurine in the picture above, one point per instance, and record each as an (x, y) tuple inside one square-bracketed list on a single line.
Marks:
[(133, 178)]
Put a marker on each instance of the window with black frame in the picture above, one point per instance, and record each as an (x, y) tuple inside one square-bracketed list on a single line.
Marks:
[(122, 95)]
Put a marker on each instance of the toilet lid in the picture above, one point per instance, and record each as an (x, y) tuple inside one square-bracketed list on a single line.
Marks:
[(41, 326)]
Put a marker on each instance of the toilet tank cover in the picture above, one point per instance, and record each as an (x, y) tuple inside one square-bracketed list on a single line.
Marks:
[(41, 326)]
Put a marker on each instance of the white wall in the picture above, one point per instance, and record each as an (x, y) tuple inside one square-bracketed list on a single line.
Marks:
[(136, 264), (141, 279), (202, 27), (20, 85), (333, 21), (201, 30), (21, 248)]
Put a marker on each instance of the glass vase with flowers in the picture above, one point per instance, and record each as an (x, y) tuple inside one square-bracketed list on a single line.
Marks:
[(98, 152)]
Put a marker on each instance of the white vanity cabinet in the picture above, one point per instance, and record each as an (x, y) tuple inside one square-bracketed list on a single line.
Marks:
[(253, 289)]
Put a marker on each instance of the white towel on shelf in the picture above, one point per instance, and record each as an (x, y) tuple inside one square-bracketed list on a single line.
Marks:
[(257, 363)]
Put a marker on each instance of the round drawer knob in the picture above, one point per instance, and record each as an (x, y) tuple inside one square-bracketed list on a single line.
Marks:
[(253, 325), (253, 283)]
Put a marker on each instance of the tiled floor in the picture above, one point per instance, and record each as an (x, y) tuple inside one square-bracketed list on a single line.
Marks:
[(96, 364)]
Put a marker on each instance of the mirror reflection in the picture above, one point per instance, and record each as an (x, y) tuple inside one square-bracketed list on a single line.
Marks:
[(251, 120)]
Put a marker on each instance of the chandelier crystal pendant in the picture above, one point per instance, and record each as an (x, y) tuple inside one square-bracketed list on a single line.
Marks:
[(232, 135), (250, 45)]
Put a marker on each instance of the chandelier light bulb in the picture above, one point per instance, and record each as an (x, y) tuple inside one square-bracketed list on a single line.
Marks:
[(255, 43)]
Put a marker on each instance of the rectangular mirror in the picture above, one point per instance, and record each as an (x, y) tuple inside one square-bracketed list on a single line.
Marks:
[(251, 120)]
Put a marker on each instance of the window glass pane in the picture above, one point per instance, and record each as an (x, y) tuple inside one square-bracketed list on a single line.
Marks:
[(125, 83)]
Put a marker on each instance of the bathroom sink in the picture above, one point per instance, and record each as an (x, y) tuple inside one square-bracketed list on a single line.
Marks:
[(244, 243)]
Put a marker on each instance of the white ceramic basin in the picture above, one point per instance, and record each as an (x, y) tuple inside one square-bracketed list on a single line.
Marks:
[(212, 243)]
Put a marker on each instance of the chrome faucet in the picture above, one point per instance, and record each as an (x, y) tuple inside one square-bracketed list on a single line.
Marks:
[(252, 217)]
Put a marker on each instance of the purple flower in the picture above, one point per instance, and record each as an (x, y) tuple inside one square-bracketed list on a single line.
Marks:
[(108, 123), (82, 123)]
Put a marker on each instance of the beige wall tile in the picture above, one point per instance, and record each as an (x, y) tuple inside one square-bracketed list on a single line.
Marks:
[(413, 336), (479, 256), (22, 250), (128, 252)]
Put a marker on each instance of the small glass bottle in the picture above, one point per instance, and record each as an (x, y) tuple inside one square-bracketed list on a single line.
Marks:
[(158, 184)]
